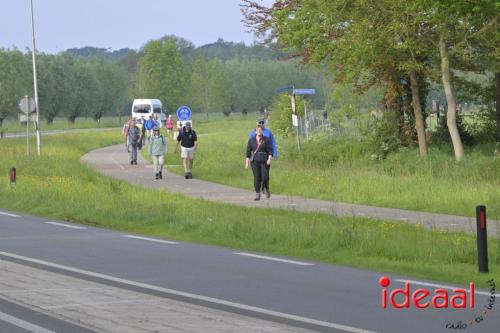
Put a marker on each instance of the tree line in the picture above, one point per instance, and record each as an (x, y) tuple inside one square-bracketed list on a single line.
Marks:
[(221, 77), (402, 46), (93, 82), (67, 86)]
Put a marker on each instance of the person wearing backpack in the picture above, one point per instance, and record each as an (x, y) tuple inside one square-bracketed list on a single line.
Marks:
[(157, 148), (189, 142), (133, 137), (268, 135), (259, 155)]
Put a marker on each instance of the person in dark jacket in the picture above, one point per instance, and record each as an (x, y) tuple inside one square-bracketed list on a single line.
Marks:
[(132, 138), (259, 155), (188, 140), (268, 135)]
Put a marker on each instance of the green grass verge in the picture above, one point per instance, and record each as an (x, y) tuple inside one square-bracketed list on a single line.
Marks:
[(13, 126), (58, 185), (340, 170)]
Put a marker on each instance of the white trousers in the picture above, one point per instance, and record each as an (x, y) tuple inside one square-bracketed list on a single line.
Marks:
[(158, 163)]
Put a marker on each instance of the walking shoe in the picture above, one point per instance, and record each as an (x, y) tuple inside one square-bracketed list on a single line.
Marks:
[(268, 194), (131, 162), (186, 175), (257, 196), (159, 174), (190, 175)]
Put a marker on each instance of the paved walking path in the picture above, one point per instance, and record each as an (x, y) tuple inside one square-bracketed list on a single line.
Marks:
[(114, 161)]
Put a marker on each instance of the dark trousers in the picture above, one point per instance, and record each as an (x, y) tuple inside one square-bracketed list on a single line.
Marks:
[(260, 176), (265, 185)]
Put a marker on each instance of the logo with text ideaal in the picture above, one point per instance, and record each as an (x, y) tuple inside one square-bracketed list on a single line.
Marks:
[(439, 298)]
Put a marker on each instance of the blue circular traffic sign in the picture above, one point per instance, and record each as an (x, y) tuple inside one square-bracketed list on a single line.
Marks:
[(184, 113)]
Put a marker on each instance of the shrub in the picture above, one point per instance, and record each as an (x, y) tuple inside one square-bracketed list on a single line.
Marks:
[(324, 149), (382, 137), (483, 126), (442, 135)]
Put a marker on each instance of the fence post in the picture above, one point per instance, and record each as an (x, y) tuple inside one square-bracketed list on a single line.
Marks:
[(12, 177)]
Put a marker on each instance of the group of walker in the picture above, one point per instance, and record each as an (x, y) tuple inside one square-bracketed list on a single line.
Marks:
[(157, 143), (261, 149)]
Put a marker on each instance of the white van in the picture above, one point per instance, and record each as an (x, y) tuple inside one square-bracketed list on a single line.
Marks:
[(146, 107)]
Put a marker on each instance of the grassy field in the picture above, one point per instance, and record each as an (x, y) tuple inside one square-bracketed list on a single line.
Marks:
[(12, 126), (57, 185), (337, 169)]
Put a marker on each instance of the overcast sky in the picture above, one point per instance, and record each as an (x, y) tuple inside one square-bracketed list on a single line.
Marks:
[(116, 24)]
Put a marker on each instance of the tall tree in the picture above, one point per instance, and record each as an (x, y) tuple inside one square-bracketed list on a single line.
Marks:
[(14, 82), (113, 88), (47, 93), (210, 88), (162, 74), (366, 39), (458, 23), (356, 38)]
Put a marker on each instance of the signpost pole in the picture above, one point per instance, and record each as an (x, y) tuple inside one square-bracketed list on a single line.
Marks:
[(306, 123), (294, 112)]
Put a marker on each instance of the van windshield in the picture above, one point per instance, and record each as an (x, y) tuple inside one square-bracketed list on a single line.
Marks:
[(142, 108), (157, 109)]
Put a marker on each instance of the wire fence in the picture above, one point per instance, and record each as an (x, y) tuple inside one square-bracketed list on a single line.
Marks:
[(319, 121)]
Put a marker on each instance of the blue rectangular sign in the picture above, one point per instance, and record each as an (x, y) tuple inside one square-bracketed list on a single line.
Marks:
[(304, 91)]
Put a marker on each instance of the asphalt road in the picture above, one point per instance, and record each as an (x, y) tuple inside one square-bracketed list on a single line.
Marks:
[(252, 291)]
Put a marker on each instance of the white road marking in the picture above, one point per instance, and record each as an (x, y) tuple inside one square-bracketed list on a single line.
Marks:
[(8, 214), (23, 324), (151, 239), (65, 225), (273, 259), (195, 296), (442, 286)]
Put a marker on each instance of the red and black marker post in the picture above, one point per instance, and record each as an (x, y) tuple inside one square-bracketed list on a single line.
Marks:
[(12, 177), (482, 239)]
